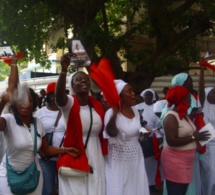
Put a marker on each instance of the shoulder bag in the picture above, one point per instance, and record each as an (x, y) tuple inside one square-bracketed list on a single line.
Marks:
[(49, 138), (24, 182), (72, 172)]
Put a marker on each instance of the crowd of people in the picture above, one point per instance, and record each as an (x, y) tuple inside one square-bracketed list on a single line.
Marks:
[(108, 150)]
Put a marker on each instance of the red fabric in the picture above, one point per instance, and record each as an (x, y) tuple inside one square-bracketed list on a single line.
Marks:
[(176, 95), (103, 75), (7, 60), (51, 87), (157, 153), (207, 65), (158, 175), (199, 122), (73, 137), (156, 147)]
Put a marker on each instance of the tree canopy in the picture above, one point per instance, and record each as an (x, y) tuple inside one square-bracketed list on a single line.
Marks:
[(157, 36)]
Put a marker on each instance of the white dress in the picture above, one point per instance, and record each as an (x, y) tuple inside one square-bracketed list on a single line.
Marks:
[(125, 167), (19, 141), (208, 159), (93, 184), (152, 123)]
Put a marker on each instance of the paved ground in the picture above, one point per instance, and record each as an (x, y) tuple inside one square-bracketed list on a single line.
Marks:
[(159, 190)]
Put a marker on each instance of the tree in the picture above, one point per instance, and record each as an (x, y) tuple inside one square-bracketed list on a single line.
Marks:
[(5, 70), (107, 28)]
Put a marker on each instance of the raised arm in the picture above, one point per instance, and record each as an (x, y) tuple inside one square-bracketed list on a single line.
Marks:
[(111, 127), (61, 96), (202, 86), (13, 77), (12, 85)]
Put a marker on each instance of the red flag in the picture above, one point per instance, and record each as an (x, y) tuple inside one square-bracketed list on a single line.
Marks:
[(206, 64), (103, 75), (7, 60), (199, 122), (157, 153)]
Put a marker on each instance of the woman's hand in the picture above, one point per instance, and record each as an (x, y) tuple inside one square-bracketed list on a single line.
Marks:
[(65, 61), (144, 136), (14, 59), (201, 136), (73, 152)]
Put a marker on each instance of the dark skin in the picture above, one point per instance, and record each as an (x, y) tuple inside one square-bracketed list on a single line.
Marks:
[(148, 96), (128, 99), (80, 84), (170, 125), (25, 113)]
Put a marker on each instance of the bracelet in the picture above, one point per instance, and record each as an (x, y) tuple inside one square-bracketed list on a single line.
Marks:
[(13, 65), (63, 72), (193, 138)]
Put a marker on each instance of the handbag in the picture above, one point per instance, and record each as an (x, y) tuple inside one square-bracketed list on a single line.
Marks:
[(49, 137), (24, 182), (73, 172), (147, 147)]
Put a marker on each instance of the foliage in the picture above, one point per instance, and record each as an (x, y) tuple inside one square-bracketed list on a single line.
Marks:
[(157, 36), (5, 71)]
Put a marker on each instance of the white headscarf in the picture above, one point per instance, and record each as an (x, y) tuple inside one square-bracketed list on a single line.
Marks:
[(146, 90), (209, 109), (70, 82), (120, 84)]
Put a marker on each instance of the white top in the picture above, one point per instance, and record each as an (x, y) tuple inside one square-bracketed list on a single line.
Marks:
[(185, 128), (48, 119), (125, 167), (19, 143), (93, 184), (149, 116)]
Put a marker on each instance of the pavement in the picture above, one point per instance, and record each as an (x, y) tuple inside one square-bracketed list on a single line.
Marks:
[(158, 190)]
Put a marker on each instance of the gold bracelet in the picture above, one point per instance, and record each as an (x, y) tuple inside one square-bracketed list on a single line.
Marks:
[(193, 138), (63, 72)]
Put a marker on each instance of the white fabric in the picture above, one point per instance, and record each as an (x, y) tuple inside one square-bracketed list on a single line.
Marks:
[(120, 84), (152, 123), (124, 167), (19, 143), (207, 163), (158, 106), (48, 118), (93, 184), (146, 90), (70, 82)]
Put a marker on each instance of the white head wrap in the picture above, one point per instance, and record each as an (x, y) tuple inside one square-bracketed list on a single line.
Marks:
[(120, 84), (158, 106), (209, 109), (70, 82), (146, 90)]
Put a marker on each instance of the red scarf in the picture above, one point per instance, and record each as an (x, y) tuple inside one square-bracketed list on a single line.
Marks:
[(74, 137)]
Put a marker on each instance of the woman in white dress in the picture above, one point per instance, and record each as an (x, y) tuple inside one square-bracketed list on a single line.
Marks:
[(76, 113), (124, 168), (207, 101)]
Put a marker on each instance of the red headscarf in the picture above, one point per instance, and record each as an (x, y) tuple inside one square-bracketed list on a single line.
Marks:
[(176, 96)]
